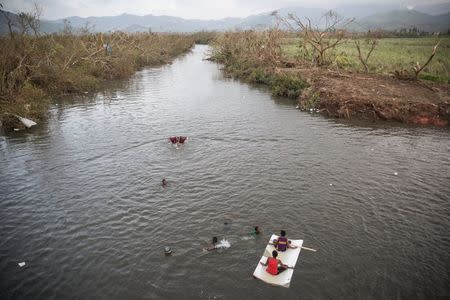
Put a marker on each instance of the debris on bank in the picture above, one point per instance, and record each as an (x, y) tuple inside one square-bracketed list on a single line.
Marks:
[(14, 122)]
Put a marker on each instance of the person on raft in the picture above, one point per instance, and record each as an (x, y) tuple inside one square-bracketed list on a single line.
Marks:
[(282, 243), (212, 246), (274, 265)]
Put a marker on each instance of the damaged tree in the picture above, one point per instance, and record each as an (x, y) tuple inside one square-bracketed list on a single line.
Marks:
[(417, 68), (372, 42), (322, 37)]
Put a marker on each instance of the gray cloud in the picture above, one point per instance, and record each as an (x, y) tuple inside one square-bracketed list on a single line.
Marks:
[(201, 9)]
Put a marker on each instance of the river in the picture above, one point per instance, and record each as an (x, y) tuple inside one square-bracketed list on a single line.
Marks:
[(81, 201)]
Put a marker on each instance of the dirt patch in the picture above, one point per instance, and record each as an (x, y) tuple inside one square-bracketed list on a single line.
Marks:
[(375, 97)]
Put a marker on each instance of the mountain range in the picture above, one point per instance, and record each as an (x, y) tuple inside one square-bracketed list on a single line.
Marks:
[(427, 17)]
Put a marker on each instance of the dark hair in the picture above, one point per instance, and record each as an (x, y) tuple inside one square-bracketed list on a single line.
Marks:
[(214, 239), (256, 228), (274, 253), (283, 233)]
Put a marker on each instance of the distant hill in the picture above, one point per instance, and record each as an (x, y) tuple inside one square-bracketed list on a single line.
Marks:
[(433, 9), (388, 17), (127, 22), (398, 19), (364, 10)]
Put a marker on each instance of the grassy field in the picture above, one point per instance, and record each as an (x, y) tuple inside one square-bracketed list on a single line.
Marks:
[(391, 54)]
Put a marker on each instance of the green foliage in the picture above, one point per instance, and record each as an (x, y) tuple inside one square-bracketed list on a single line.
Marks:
[(259, 76), (435, 78), (312, 102), (287, 85), (342, 60)]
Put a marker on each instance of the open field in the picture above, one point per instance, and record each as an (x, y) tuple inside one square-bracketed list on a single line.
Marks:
[(391, 54)]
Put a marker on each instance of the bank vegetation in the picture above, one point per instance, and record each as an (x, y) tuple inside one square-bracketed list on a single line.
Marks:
[(35, 67)]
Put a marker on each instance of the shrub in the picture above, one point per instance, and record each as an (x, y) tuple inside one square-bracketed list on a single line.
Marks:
[(287, 85)]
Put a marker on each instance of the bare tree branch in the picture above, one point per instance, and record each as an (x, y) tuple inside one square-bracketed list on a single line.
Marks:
[(417, 68)]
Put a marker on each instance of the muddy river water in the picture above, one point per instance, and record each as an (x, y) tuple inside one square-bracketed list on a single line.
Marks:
[(81, 201)]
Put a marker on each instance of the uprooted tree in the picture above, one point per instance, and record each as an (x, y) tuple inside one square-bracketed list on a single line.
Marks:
[(321, 37)]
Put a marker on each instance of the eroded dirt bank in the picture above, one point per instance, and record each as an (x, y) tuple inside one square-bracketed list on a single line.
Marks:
[(374, 97)]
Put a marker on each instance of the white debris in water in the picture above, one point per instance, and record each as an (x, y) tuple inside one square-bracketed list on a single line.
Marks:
[(223, 244), (26, 122), (297, 107), (371, 149), (331, 184), (395, 173), (21, 264)]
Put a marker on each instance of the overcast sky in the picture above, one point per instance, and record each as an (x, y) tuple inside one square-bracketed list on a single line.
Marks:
[(189, 9)]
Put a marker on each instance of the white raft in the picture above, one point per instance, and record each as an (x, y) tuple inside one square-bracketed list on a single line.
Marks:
[(289, 257)]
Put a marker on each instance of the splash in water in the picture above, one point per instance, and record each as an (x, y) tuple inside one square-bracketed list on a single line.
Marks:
[(223, 244)]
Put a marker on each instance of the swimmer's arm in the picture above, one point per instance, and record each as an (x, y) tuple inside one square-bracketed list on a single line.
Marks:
[(210, 248)]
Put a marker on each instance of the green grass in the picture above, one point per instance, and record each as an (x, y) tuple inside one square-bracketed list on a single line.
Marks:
[(391, 54), (284, 85)]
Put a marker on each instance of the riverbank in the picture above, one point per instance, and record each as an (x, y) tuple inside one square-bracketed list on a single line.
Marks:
[(374, 97), (35, 69), (258, 58)]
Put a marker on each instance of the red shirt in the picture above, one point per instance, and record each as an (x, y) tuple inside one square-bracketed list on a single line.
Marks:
[(272, 267)]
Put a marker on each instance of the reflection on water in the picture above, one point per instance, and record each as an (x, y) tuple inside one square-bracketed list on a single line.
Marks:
[(82, 202)]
